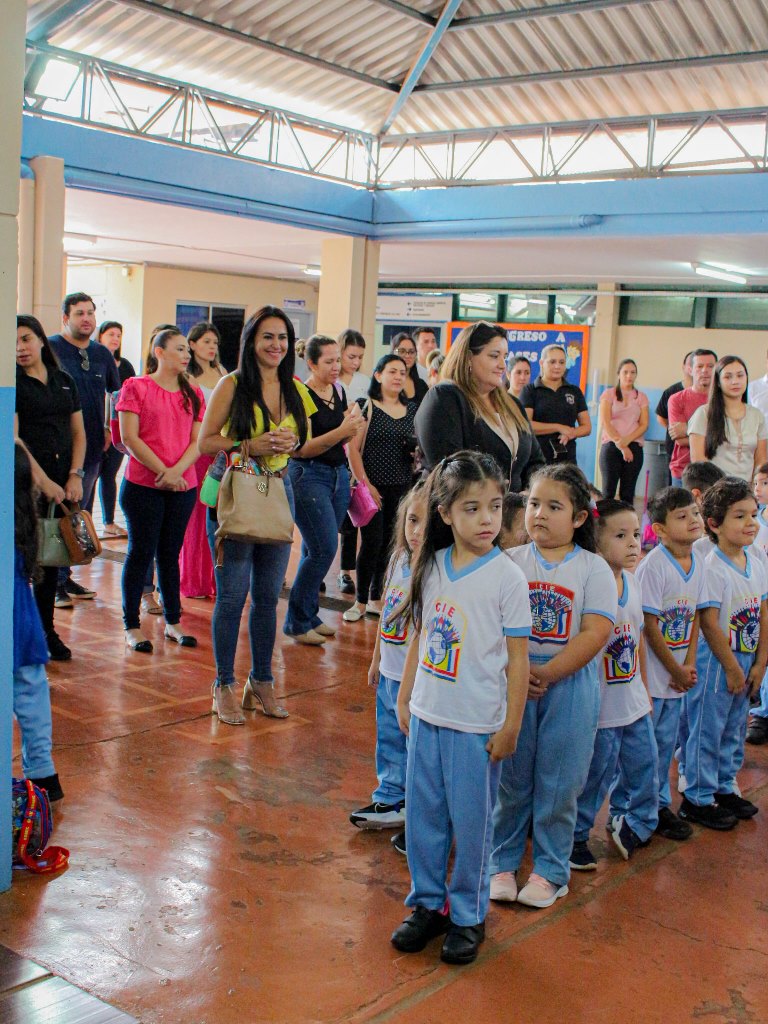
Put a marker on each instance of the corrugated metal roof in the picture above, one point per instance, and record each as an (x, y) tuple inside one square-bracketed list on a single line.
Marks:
[(380, 41)]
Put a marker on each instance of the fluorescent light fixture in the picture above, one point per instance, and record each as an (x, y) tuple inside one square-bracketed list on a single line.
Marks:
[(718, 274), (73, 241), (56, 79), (312, 271)]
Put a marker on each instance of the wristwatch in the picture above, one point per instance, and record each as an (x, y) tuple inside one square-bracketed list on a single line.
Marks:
[(77, 472)]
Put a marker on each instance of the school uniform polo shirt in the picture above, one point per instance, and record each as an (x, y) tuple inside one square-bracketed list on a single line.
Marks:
[(45, 420), (550, 406), (92, 384)]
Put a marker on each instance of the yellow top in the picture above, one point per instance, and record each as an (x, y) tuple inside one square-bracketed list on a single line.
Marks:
[(275, 463)]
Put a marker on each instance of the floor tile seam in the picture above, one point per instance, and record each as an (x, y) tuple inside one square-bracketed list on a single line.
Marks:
[(130, 735)]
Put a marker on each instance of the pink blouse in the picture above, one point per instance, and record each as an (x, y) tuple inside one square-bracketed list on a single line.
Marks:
[(624, 418), (165, 426)]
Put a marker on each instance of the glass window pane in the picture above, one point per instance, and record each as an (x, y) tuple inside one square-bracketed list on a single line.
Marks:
[(670, 310), (478, 306), (189, 313), (522, 307), (571, 308), (751, 311)]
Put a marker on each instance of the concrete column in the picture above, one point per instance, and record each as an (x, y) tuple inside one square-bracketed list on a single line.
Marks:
[(602, 355), (11, 97), (26, 244), (49, 241), (348, 289)]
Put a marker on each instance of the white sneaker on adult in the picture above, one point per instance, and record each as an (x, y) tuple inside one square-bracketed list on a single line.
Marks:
[(504, 887), (538, 892)]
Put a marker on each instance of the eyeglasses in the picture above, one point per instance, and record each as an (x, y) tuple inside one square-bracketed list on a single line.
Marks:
[(85, 362), (405, 351)]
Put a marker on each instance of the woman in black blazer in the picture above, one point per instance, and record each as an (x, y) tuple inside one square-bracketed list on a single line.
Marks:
[(471, 408)]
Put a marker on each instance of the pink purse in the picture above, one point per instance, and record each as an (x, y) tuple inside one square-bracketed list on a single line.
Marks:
[(362, 507)]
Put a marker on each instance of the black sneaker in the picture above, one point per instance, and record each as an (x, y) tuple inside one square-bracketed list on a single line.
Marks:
[(79, 592), (671, 827), (417, 930), (757, 730), (462, 943), (379, 815), (57, 649), (346, 583), (323, 587), (737, 805), (62, 600), (582, 858), (710, 816), (52, 786), (625, 839), (398, 843)]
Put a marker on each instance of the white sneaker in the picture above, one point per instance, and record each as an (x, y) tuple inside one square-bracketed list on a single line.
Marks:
[(539, 893), (504, 887)]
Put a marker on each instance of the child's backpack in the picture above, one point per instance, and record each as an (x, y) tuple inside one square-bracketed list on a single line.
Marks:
[(114, 423), (32, 823)]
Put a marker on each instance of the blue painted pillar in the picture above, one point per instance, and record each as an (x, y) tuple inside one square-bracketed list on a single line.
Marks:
[(11, 95)]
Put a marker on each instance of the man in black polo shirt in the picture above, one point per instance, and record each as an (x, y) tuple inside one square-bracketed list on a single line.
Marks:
[(662, 409), (557, 410), (94, 370)]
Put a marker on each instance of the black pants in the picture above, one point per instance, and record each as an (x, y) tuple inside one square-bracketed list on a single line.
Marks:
[(375, 539), (348, 534), (157, 521), (618, 473)]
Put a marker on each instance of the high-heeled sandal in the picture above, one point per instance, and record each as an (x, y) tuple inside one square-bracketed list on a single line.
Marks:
[(225, 705), (261, 696), (182, 639), (138, 643)]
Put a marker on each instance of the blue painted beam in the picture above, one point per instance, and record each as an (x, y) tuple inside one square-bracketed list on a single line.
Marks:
[(121, 165), (65, 12), (423, 58)]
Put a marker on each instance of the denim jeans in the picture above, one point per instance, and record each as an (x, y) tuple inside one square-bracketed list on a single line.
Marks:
[(110, 465), (321, 494), (157, 521), (92, 471), (32, 708), (260, 568)]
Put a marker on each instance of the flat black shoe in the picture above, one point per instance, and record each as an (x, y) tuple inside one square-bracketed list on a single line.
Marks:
[(346, 583), (418, 929), (57, 649), (462, 943), (710, 816), (323, 587), (757, 731), (183, 641), (52, 786), (737, 805)]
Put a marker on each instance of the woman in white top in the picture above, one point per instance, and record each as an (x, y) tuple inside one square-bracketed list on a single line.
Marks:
[(196, 564), (727, 431)]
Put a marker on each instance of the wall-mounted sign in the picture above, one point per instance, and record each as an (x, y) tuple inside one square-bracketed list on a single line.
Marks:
[(294, 303), (414, 309), (530, 340)]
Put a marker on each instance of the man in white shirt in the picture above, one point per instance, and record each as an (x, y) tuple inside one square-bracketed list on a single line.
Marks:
[(426, 342), (757, 395)]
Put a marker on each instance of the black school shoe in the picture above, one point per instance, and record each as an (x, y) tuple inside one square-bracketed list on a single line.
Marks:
[(345, 583), (52, 786), (671, 827), (57, 649), (418, 929), (710, 816), (737, 805), (462, 943), (757, 731), (398, 844), (582, 858)]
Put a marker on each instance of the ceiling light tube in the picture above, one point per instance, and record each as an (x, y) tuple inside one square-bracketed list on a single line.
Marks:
[(312, 271), (719, 275)]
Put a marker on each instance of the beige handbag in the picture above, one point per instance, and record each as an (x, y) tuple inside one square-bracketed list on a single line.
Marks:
[(252, 507)]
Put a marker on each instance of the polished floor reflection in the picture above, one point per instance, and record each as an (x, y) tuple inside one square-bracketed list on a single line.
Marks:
[(215, 877)]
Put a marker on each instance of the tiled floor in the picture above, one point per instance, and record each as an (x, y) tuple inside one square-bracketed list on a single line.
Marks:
[(215, 877)]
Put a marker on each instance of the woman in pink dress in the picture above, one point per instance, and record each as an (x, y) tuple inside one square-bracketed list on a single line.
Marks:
[(197, 579)]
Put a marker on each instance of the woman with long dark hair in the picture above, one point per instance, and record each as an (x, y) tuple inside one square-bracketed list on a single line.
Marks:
[(160, 416), (387, 444), (49, 423), (415, 388), (624, 420), (471, 409), (262, 409), (196, 564), (110, 335), (727, 431)]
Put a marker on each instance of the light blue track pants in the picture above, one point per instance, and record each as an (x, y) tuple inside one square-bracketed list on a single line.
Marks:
[(391, 749)]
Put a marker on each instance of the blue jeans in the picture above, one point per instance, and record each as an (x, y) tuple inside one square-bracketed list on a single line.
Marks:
[(321, 494), (391, 745), (260, 568), (625, 754), (157, 521), (32, 708), (110, 465), (451, 786)]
